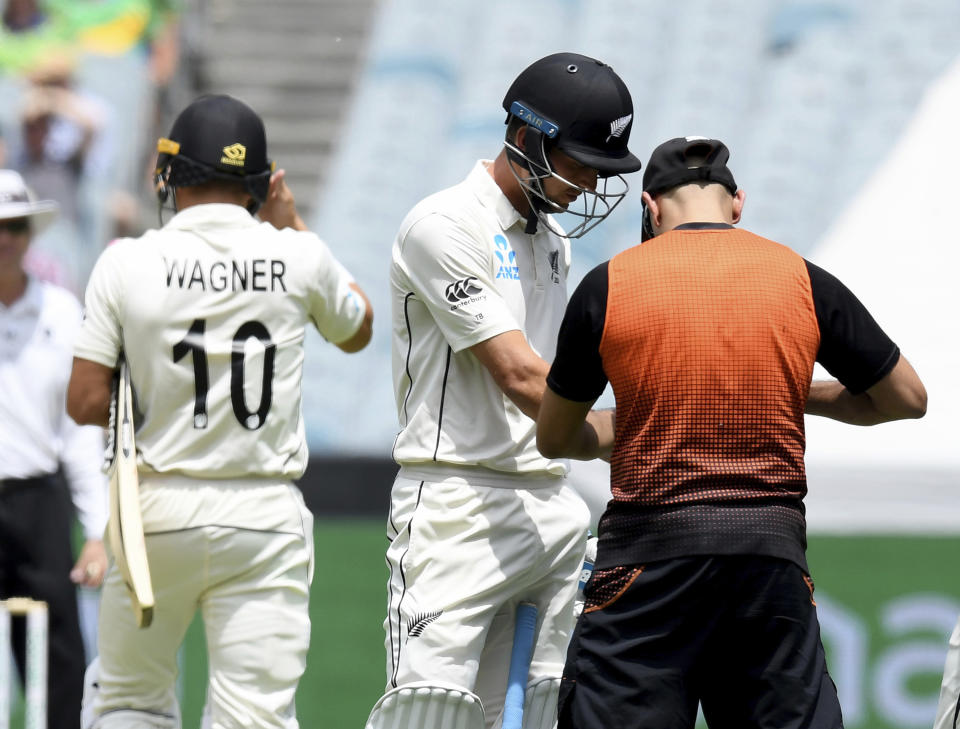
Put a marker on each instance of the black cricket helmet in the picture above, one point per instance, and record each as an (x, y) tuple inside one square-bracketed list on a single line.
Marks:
[(580, 106), (216, 137)]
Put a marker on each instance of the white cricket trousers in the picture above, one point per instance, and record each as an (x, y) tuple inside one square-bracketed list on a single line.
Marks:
[(252, 589), (948, 708), (461, 558)]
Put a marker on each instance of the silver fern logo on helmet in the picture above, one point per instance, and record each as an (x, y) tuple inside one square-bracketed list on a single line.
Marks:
[(618, 125)]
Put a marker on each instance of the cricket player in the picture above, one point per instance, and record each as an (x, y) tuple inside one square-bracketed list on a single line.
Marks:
[(479, 521), (708, 335), (210, 313)]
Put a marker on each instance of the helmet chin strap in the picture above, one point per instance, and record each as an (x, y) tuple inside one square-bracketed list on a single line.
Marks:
[(532, 221), (537, 205)]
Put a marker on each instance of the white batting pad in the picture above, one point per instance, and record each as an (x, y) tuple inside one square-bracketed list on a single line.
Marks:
[(427, 707), (540, 704)]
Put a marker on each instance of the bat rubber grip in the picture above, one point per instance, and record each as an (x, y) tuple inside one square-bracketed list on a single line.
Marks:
[(523, 639)]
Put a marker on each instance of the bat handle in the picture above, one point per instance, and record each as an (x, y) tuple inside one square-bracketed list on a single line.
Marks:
[(523, 639)]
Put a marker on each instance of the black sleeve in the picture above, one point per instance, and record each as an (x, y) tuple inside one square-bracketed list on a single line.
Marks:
[(853, 347), (577, 372)]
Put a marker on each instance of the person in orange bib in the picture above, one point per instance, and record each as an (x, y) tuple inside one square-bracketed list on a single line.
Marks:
[(708, 335)]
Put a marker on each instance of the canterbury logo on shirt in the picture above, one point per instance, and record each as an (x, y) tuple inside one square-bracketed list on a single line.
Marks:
[(463, 289)]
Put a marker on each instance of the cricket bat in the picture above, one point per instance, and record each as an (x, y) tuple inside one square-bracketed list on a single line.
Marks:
[(125, 526), (523, 639)]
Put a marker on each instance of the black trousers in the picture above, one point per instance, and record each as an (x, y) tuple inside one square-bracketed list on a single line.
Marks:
[(738, 634), (36, 555)]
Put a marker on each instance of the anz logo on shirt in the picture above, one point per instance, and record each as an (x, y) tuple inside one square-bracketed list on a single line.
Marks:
[(507, 267)]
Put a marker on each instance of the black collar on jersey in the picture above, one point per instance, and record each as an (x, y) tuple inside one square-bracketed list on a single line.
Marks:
[(703, 226)]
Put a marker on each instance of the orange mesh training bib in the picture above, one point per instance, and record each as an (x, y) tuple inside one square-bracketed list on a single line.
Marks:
[(709, 345)]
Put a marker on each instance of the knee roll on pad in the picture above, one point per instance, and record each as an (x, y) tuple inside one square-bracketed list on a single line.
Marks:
[(540, 704), (426, 706)]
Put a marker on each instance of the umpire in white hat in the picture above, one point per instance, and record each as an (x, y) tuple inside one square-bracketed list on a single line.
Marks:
[(42, 452)]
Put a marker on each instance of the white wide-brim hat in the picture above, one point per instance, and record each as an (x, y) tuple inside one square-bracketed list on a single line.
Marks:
[(18, 201)]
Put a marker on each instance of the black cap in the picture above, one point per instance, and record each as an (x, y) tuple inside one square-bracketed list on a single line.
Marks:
[(580, 104), (220, 132), (670, 165)]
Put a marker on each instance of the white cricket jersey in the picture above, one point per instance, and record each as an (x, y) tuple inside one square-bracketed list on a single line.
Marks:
[(463, 271), (210, 313)]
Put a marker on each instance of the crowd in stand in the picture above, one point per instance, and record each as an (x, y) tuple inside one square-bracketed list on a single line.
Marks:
[(81, 85)]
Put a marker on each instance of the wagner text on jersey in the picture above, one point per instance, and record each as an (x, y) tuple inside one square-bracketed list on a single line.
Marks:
[(257, 274)]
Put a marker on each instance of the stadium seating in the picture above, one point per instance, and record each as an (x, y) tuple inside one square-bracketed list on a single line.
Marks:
[(809, 96)]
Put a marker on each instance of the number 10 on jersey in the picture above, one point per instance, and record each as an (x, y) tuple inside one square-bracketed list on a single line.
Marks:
[(194, 344)]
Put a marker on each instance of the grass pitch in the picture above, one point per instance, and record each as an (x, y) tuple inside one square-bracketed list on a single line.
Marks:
[(866, 579)]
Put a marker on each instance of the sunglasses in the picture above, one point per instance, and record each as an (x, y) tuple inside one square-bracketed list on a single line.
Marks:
[(15, 225)]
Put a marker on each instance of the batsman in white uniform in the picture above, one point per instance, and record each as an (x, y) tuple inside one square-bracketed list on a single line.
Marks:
[(210, 313), (479, 521)]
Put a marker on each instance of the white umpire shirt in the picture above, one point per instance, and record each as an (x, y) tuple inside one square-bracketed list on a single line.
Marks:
[(37, 334), (463, 270), (211, 311)]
